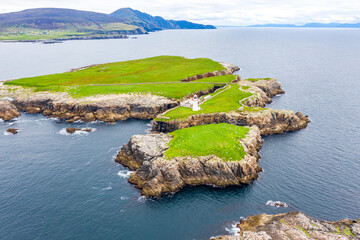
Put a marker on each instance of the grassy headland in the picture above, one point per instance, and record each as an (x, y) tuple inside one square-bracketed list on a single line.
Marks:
[(220, 139), (157, 75)]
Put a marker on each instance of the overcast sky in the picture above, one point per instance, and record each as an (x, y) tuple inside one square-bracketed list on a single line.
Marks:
[(216, 12)]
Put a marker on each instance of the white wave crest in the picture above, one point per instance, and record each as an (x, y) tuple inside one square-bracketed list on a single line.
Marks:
[(233, 229), (123, 198), (106, 188), (276, 204), (124, 173), (7, 133), (141, 199)]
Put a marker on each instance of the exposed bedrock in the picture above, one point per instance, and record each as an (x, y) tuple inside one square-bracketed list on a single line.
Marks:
[(294, 225), (108, 109), (157, 175), (229, 69), (269, 121), (8, 110)]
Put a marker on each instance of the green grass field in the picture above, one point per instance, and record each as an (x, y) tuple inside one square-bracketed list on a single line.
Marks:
[(224, 102), (157, 75), (173, 90), (155, 69), (220, 139)]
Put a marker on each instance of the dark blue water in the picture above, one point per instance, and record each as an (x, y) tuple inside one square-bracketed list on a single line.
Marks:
[(54, 186)]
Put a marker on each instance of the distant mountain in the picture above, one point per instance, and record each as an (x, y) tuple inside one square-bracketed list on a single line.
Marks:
[(313, 25), (54, 18), (151, 23)]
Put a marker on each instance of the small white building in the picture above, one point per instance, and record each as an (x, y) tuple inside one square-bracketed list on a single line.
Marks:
[(195, 103)]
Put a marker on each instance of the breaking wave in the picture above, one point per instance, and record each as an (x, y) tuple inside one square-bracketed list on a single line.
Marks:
[(276, 204), (233, 229), (124, 173), (78, 133)]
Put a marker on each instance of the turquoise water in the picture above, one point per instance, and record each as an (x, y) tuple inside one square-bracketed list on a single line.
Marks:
[(56, 186)]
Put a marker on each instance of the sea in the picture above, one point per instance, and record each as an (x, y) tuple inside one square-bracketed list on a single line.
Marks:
[(59, 186)]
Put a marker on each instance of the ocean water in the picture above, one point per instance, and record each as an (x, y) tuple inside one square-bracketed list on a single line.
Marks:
[(56, 186)]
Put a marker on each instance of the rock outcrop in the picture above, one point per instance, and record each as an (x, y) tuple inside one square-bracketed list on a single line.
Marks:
[(157, 175), (229, 69), (294, 225), (73, 130), (8, 110), (13, 130), (108, 108), (269, 121)]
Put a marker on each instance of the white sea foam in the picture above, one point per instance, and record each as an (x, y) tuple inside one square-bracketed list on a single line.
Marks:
[(141, 199), (106, 188), (78, 133), (7, 133), (7, 98), (123, 198), (276, 204), (124, 173), (233, 229)]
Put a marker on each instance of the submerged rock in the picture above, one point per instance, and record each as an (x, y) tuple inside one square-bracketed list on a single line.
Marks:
[(294, 225), (13, 130), (156, 175), (8, 111), (73, 130)]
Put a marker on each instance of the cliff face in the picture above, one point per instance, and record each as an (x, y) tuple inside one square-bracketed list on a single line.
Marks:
[(294, 225), (8, 111), (229, 69), (108, 108), (155, 175), (269, 121)]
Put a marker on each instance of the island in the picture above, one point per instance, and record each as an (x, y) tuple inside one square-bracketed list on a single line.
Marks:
[(207, 122), (54, 25), (293, 225)]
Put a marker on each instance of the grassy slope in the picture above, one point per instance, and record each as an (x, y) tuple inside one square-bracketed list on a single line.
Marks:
[(224, 102), (150, 70), (155, 69), (219, 139), (256, 79), (173, 90)]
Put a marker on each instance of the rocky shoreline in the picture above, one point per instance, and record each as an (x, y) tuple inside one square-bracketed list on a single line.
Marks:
[(157, 175), (294, 225), (8, 110)]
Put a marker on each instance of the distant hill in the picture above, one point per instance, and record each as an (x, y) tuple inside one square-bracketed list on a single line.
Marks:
[(151, 23), (54, 18), (313, 25)]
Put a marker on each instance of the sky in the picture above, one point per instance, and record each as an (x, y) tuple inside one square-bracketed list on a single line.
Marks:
[(216, 12)]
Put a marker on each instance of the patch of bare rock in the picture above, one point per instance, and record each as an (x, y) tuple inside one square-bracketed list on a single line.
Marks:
[(8, 110), (73, 130), (296, 226), (157, 175), (13, 130)]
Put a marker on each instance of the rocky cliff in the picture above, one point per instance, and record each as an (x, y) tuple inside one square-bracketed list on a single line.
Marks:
[(8, 110), (294, 225), (156, 175), (269, 121), (229, 69)]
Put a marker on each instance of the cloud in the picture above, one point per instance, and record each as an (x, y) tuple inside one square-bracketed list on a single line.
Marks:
[(229, 12)]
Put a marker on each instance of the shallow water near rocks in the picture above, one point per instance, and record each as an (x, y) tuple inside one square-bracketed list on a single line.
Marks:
[(55, 186)]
